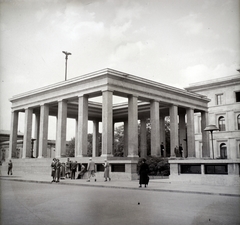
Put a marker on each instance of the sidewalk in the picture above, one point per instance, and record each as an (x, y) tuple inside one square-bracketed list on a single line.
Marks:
[(163, 185)]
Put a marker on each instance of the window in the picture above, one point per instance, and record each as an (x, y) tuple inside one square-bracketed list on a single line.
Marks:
[(194, 169), (118, 167), (219, 98), (216, 169), (221, 123), (238, 122), (223, 151), (237, 96), (100, 167)]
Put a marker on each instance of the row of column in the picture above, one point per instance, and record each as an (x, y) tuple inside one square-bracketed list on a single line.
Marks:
[(130, 129)]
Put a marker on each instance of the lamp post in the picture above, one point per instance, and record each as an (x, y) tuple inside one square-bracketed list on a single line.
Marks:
[(211, 128), (66, 54)]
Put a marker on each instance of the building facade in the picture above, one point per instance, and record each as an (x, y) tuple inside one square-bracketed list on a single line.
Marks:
[(144, 99), (222, 166), (224, 112)]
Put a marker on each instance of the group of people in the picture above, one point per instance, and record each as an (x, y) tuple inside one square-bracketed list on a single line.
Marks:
[(63, 170), (178, 151), (69, 169)]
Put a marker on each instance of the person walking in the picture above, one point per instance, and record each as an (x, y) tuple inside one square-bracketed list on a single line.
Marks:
[(91, 169), (73, 169), (143, 172), (106, 170), (53, 167), (10, 166), (58, 170)]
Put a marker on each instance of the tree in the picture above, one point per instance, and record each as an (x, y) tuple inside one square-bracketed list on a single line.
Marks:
[(119, 141), (70, 149)]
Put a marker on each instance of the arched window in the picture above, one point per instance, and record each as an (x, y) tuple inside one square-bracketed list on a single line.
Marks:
[(221, 123), (223, 151), (238, 122)]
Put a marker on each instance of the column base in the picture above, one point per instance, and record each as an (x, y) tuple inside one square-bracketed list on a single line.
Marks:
[(106, 155), (133, 156)]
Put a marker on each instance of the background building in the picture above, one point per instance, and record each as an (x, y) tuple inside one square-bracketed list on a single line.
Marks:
[(224, 112)]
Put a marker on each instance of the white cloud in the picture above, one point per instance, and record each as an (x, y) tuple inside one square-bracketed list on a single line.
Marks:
[(191, 24), (202, 72)]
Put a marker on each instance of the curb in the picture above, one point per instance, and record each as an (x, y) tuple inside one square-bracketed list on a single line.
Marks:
[(129, 188)]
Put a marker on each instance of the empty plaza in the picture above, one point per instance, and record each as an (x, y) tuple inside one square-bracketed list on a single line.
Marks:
[(75, 202)]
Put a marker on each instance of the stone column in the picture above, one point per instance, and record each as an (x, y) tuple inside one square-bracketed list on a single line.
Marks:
[(43, 134), (205, 135), (27, 141), (132, 126), (36, 134), (107, 123), (143, 134), (82, 126), (190, 133), (173, 110), (182, 132), (162, 133), (76, 137), (125, 138), (95, 149), (61, 129), (13, 134), (155, 141)]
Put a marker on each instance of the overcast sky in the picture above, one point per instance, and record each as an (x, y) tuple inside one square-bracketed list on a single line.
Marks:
[(169, 41)]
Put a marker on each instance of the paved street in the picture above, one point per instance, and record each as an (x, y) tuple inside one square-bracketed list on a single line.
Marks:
[(45, 203)]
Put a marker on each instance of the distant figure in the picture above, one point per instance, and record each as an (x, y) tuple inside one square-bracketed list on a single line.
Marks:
[(91, 169), (10, 166), (181, 150), (53, 167), (62, 172), (176, 151), (143, 172), (68, 168), (162, 149), (106, 170), (73, 169), (81, 173), (58, 170)]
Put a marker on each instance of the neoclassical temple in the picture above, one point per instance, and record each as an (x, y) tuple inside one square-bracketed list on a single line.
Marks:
[(145, 99)]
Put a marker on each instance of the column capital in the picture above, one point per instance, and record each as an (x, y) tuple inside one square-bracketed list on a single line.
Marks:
[(62, 100), (154, 100), (83, 95), (28, 108), (132, 95), (107, 89)]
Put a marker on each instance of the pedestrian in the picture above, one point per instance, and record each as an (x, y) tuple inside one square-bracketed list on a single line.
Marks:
[(176, 151), (181, 150), (162, 149), (73, 169), (63, 170), (143, 172), (53, 167), (58, 170), (106, 170), (10, 166), (68, 169), (91, 169), (81, 173)]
